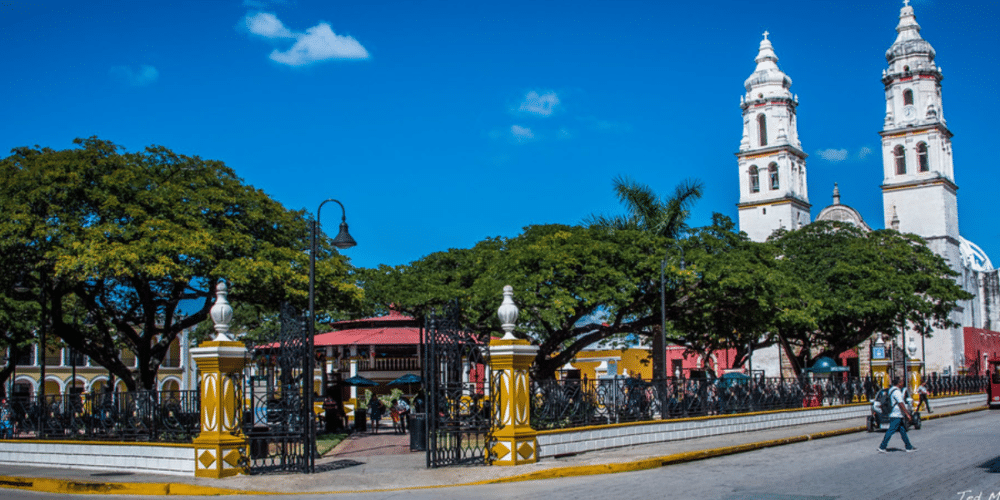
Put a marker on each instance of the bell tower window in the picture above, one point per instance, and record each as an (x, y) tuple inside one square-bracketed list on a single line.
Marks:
[(772, 172), (754, 179), (922, 161), (900, 155), (907, 97), (762, 129)]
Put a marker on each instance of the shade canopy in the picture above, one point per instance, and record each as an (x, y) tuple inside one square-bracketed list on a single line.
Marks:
[(409, 378), (358, 380)]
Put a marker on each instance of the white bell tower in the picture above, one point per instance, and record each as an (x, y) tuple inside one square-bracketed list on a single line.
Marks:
[(772, 165), (918, 187), (919, 180)]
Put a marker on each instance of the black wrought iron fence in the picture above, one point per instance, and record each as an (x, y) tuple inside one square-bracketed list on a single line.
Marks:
[(951, 385), (575, 403), (160, 416)]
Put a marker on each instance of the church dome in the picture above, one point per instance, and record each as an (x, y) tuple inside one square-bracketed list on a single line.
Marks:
[(974, 257), (766, 75), (908, 41)]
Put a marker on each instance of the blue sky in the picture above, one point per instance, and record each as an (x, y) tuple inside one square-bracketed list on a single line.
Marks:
[(438, 124)]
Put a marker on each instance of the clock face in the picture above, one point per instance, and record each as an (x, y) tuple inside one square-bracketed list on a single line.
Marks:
[(909, 113)]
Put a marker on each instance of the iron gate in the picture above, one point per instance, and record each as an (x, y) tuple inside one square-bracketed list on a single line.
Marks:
[(456, 368), (278, 418)]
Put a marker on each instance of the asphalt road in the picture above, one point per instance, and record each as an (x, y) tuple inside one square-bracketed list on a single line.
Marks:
[(958, 458)]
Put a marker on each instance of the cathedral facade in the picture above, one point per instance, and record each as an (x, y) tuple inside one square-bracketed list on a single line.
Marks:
[(919, 192)]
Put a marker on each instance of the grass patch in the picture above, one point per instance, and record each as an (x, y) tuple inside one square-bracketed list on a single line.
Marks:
[(326, 442)]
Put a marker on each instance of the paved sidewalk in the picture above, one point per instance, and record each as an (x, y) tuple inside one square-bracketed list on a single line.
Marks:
[(383, 462)]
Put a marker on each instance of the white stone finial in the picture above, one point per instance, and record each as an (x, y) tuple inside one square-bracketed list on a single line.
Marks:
[(508, 313), (222, 313), (765, 34), (906, 3)]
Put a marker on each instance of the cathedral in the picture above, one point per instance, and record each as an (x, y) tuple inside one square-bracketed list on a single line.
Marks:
[(919, 193)]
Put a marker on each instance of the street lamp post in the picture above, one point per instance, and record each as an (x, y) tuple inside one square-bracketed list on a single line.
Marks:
[(343, 240), (660, 344), (21, 288)]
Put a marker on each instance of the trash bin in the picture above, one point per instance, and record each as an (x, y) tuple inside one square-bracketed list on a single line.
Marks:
[(360, 420), (418, 431), (258, 443)]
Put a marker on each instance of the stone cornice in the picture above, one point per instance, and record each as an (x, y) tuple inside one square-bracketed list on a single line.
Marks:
[(784, 200), (915, 129), (770, 150), (921, 183)]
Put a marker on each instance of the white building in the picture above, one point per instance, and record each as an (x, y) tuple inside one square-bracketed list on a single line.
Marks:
[(919, 192)]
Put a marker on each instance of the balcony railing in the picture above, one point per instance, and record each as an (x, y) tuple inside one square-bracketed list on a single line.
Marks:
[(380, 364)]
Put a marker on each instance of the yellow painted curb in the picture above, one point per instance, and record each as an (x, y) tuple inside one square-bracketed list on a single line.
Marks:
[(150, 489)]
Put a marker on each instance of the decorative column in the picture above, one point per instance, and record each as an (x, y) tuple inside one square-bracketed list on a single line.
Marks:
[(914, 367), (220, 448), (880, 364), (514, 440)]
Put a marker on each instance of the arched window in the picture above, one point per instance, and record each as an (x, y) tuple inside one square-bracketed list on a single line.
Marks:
[(907, 97), (900, 155), (754, 179), (922, 161), (772, 172), (762, 129)]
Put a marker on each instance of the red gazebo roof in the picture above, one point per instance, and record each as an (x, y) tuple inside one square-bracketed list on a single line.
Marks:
[(394, 329), (370, 336)]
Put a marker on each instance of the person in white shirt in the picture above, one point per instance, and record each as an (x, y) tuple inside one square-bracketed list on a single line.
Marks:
[(922, 392), (896, 422)]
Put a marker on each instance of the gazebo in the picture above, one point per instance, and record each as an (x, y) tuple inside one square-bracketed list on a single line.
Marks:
[(382, 348)]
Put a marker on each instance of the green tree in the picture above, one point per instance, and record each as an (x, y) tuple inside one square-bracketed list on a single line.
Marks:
[(573, 285), (729, 295), (647, 212), (858, 284), (131, 237)]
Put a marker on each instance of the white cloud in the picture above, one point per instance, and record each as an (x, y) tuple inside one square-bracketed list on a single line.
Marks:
[(865, 151), (267, 25), (833, 154), (318, 43), (542, 105), (521, 133), (144, 75)]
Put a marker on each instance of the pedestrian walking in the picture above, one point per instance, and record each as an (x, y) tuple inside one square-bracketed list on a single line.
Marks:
[(375, 409), (896, 416), (6, 420), (922, 392)]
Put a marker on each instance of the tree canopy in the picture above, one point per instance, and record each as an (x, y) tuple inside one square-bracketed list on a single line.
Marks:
[(855, 284), (136, 241), (573, 285)]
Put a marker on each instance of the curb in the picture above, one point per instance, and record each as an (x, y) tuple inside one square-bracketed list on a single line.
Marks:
[(150, 489)]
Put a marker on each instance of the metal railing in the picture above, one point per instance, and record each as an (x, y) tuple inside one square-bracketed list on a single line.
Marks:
[(558, 404), (382, 364), (158, 416)]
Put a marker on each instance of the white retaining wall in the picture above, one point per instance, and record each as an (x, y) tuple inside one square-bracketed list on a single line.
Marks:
[(119, 457), (554, 443)]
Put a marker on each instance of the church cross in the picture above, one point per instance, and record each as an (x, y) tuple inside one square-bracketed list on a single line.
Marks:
[(767, 33), (906, 3)]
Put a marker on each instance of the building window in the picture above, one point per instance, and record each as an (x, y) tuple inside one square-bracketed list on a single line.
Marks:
[(922, 161), (27, 356), (754, 179), (772, 172), (900, 155), (907, 97), (762, 129)]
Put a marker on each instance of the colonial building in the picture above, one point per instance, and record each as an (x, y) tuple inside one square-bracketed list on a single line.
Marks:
[(68, 371), (919, 191)]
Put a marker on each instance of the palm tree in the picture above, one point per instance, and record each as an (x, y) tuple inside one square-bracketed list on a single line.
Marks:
[(648, 212)]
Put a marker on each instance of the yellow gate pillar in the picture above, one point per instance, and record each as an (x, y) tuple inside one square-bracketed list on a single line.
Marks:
[(514, 440), (220, 448), (880, 364)]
